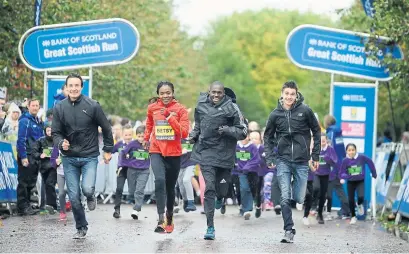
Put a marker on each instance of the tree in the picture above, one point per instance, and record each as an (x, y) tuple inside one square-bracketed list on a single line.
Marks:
[(246, 51)]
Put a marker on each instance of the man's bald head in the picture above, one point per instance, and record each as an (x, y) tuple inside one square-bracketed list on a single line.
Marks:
[(216, 83)]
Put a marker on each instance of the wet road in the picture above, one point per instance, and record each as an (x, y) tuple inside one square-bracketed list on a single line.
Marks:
[(233, 234)]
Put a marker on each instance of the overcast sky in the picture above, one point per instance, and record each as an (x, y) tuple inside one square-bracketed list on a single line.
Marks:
[(196, 14)]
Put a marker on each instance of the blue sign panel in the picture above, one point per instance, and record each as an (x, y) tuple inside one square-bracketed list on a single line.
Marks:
[(55, 94), (8, 174), (385, 176), (79, 45), (336, 51), (354, 109)]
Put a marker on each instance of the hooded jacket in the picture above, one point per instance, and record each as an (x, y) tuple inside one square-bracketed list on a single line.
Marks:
[(166, 133), (211, 148), (30, 129), (290, 131), (8, 127), (334, 135)]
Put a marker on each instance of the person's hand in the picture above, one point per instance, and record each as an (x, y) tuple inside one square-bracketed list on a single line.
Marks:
[(24, 162), (145, 145), (271, 165), (165, 112), (107, 157), (342, 181), (58, 161), (127, 156), (190, 140), (315, 165), (65, 145), (43, 155), (223, 129)]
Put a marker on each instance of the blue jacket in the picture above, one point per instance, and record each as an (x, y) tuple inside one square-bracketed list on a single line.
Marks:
[(58, 97), (30, 129), (334, 134)]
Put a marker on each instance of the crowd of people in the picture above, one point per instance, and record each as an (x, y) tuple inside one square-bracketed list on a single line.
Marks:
[(220, 158)]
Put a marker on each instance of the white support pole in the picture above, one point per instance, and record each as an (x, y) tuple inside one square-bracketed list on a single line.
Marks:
[(90, 82), (45, 92), (331, 96), (373, 185)]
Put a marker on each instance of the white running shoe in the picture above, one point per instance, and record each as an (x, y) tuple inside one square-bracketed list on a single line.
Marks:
[(247, 215), (299, 207), (305, 221), (353, 220), (328, 216), (134, 214), (229, 201), (361, 210)]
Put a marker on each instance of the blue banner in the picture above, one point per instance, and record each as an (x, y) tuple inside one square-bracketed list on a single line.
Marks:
[(54, 93), (336, 51), (354, 109), (37, 12), (401, 203), (79, 45), (384, 181), (368, 7), (8, 174)]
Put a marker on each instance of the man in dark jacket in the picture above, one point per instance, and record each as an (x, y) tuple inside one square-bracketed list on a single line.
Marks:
[(219, 124), (289, 129), (30, 129), (75, 133)]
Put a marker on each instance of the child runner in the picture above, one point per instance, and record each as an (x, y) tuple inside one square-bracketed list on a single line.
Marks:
[(42, 152), (308, 196), (137, 161), (122, 171), (255, 138), (167, 124), (353, 170), (328, 159), (186, 174), (248, 163)]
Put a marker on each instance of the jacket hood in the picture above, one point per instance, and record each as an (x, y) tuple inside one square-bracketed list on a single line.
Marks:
[(335, 129), (59, 97), (298, 101), (27, 115)]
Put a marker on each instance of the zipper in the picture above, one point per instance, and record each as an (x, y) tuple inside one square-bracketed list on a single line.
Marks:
[(305, 142), (289, 130)]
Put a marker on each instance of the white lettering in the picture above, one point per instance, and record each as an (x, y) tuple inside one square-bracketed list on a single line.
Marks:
[(327, 44), (60, 41), (109, 46), (84, 49), (372, 63), (347, 58), (357, 49), (54, 53), (98, 37), (318, 53)]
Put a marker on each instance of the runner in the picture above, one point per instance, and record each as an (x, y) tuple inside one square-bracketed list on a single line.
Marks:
[(75, 133), (353, 170), (219, 124), (289, 129), (167, 124)]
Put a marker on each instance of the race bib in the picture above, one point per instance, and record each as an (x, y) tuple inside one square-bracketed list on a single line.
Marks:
[(188, 147), (47, 151), (163, 130), (141, 155), (355, 170), (322, 161), (243, 155)]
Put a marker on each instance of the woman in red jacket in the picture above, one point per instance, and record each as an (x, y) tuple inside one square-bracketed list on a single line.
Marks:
[(166, 124)]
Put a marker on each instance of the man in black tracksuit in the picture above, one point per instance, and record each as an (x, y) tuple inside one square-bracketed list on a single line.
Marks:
[(289, 129), (75, 133), (219, 124)]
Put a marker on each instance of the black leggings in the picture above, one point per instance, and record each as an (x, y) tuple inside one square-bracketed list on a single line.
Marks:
[(166, 171), (308, 198), (359, 187), (320, 191)]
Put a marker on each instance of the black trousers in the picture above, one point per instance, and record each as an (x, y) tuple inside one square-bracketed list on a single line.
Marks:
[(359, 187), (320, 188), (166, 171), (27, 179), (50, 180), (217, 181)]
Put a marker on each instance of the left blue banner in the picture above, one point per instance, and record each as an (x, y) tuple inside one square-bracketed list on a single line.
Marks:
[(79, 44), (8, 174)]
